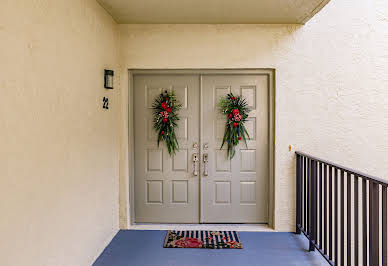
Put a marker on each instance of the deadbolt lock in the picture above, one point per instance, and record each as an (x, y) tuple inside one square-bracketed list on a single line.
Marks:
[(195, 157)]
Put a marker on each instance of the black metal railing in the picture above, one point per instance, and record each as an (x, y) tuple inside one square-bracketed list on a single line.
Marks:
[(341, 211)]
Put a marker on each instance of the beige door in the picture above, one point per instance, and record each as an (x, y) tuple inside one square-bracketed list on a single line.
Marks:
[(235, 191), (166, 190)]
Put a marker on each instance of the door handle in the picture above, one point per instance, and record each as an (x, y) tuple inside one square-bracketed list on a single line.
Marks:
[(205, 164), (195, 164)]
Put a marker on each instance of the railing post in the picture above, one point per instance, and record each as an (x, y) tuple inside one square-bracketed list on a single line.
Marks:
[(313, 204), (298, 194)]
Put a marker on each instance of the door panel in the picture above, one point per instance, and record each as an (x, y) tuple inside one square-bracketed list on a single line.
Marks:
[(232, 191), (166, 191), (235, 191)]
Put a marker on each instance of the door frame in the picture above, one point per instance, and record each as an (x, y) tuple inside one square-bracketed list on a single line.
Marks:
[(131, 136)]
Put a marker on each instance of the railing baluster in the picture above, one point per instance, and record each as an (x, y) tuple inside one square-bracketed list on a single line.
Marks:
[(325, 209), (320, 207), (342, 217), (336, 216), (330, 213), (384, 225), (305, 194), (356, 220), (298, 195), (349, 220), (374, 224), (313, 204), (364, 225)]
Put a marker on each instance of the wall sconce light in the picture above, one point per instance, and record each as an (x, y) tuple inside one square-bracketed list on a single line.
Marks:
[(108, 79)]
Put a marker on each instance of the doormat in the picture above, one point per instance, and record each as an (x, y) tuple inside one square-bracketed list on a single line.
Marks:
[(202, 239)]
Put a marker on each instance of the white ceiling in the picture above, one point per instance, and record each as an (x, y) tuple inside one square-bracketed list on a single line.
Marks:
[(212, 11)]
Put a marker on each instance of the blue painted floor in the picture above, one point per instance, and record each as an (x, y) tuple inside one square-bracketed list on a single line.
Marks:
[(145, 248)]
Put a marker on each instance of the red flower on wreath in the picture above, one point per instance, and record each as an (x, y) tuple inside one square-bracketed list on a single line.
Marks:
[(168, 109), (234, 124), (233, 98), (165, 120), (235, 111), (164, 105), (162, 133), (239, 138), (230, 116), (237, 117)]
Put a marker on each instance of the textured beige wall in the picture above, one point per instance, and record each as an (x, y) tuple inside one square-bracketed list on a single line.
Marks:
[(58, 147), (331, 83)]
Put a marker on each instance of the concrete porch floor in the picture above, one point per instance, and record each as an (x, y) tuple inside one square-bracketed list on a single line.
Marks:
[(145, 248)]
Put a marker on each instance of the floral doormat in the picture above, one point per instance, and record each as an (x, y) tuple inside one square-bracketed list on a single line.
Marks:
[(202, 239)]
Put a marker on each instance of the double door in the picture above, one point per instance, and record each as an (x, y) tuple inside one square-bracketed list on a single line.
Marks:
[(199, 184)]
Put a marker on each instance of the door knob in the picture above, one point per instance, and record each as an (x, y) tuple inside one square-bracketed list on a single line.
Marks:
[(205, 164), (195, 164)]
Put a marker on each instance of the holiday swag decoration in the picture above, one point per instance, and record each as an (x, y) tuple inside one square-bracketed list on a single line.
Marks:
[(165, 117), (236, 109)]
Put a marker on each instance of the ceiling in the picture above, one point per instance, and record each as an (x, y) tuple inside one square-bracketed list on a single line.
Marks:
[(212, 11)]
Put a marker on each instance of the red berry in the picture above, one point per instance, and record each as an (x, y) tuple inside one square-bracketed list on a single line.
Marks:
[(162, 133), (239, 138), (230, 115), (164, 120), (233, 98), (234, 124)]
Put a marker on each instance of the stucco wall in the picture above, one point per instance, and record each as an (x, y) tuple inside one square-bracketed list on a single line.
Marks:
[(58, 147), (331, 84)]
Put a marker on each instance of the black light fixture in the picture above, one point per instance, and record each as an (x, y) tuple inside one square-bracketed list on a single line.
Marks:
[(108, 79)]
